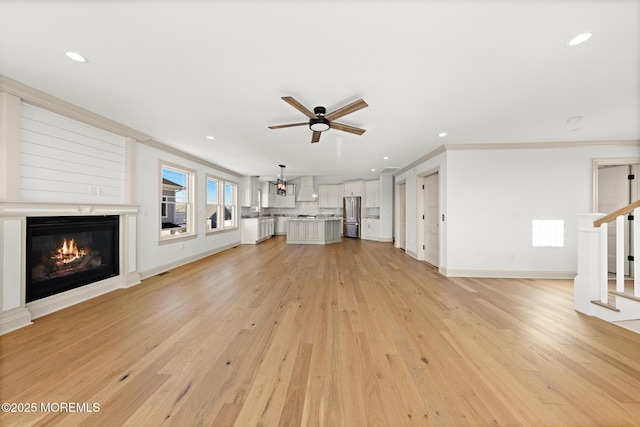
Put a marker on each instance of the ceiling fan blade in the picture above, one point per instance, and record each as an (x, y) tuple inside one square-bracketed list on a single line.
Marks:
[(315, 137), (289, 125), (295, 104), (347, 128), (347, 109)]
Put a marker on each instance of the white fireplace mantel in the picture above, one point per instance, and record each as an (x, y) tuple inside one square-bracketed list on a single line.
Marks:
[(16, 209), (14, 311)]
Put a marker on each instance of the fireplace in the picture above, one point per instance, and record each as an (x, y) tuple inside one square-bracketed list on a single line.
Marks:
[(67, 252)]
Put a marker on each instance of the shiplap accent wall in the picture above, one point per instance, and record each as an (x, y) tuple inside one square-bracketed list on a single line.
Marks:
[(63, 160)]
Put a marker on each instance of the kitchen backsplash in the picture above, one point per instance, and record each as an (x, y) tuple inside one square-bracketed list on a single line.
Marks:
[(302, 208)]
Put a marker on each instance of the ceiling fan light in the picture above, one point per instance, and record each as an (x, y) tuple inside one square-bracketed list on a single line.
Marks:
[(319, 125)]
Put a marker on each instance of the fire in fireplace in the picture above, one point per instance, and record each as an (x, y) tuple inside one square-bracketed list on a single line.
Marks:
[(64, 253)]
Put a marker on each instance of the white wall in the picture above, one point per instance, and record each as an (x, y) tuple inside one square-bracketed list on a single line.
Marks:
[(154, 257), (64, 160), (490, 198)]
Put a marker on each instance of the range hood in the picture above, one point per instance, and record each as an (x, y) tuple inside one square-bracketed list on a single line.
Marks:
[(306, 192)]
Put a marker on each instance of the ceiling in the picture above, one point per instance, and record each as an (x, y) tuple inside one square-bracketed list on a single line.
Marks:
[(481, 71)]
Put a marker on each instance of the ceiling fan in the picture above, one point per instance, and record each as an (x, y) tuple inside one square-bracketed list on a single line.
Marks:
[(319, 122)]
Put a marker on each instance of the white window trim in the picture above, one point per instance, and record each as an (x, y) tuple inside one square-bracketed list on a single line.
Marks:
[(221, 190), (192, 225)]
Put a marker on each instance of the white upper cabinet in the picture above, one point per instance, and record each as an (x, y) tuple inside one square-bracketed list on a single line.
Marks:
[(330, 196), (249, 196), (372, 194), (288, 201), (270, 198), (266, 196), (353, 188)]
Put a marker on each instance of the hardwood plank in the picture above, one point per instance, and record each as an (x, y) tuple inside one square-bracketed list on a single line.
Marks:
[(349, 334)]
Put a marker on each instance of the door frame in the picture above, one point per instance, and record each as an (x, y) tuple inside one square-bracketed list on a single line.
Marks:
[(401, 214), (619, 161), (420, 225)]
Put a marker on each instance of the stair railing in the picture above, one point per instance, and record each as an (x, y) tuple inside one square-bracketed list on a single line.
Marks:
[(603, 223)]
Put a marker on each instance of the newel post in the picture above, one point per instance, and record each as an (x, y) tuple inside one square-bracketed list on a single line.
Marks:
[(586, 285)]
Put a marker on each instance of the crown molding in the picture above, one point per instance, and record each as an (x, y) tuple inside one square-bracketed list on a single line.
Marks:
[(174, 151), (516, 146), (56, 105), (540, 145), (441, 149)]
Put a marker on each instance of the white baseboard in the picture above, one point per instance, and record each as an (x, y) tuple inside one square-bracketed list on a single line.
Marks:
[(16, 318), (509, 274), (177, 263), (378, 239)]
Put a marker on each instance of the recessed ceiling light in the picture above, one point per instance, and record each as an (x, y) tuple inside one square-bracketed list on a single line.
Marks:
[(385, 158), (580, 38), (75, 57), (373, 170), (442, 134), (210, 138)]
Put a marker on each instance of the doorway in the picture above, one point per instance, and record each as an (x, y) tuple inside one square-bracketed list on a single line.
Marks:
[(431, 219), (401, 216), (616, 187)]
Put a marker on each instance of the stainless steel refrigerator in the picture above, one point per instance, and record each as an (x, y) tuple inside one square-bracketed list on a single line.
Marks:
[(351, 217)]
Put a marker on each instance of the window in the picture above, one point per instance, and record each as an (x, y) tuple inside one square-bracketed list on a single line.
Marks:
[(547, 233), (214, 208), (230, 191), (222, 208), (176, 202)]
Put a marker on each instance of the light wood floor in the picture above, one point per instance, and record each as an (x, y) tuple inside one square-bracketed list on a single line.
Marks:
[(351, 334)]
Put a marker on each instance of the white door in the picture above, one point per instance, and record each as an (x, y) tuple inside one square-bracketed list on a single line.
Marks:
[(431, 220), (402, 216), (614, 192)]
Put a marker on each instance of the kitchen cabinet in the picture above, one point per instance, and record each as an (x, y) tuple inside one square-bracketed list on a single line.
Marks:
[(370, 229), (372, 192), (255, 230), (288, 201), (314, 231), (330, 196), (266, 196), (271, 200), (249, 195), (281, 225), (353, 188)]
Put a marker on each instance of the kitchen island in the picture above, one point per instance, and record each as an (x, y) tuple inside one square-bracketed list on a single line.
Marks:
[(314, 231)]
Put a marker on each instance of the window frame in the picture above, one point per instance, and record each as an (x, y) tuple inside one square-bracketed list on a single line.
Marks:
[(191, 227), (221, 203)]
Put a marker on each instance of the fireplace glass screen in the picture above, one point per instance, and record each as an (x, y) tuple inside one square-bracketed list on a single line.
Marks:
[(64, 253)]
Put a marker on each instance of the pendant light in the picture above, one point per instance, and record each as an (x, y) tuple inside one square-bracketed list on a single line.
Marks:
[(281, 188)]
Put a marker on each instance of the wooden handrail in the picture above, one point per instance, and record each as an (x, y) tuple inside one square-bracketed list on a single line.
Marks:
[(613, 215)]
